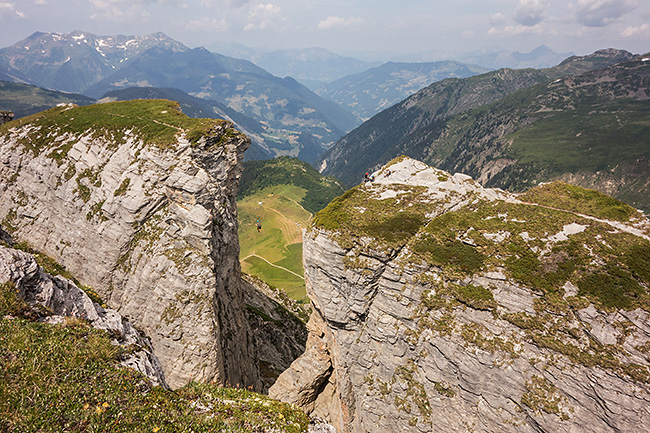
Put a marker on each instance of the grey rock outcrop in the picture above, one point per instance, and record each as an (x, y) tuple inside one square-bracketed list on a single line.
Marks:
[(455, 328), (61, 298), (6, 116), (150, 224)]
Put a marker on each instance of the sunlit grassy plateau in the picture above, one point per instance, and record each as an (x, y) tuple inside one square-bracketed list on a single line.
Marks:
[(283, 194), (275, 253)]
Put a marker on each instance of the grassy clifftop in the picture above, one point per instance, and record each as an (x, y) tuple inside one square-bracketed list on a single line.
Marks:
[(156, 122), (551, 235)]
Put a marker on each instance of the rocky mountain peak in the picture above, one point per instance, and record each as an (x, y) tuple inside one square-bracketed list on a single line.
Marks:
[(439, 184), (442, 305)]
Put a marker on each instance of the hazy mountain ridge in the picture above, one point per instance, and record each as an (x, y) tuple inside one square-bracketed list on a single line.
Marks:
[(95, 65), (443, 126), (540, 57), (376, 89), (314, 67)]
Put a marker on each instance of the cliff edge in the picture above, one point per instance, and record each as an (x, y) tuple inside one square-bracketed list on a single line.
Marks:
[(440, 305), (138, 201)]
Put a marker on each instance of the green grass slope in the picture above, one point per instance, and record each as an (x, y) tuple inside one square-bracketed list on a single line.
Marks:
[(282, 194), (56, 378), (275, 253)]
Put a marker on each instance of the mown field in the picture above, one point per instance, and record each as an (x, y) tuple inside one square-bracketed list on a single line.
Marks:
[(274, 254)]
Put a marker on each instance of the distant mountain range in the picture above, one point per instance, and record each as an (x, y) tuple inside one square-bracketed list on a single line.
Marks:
[(366, 87), (376, 89), (540, 57), (94, 65), (313, 67), (316, 66), (584, 121)]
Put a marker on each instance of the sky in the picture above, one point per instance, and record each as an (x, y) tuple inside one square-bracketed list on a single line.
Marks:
[(344, 26)]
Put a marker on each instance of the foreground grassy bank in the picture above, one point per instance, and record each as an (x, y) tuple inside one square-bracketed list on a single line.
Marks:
[(56, 378)]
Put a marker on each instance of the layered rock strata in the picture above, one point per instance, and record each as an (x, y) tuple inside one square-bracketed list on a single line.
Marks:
[(138, 201), (443, 306)]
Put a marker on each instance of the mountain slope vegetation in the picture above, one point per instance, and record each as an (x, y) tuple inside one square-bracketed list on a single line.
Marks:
[(369, 92), (24, 100), (320, 190), (515, 128)]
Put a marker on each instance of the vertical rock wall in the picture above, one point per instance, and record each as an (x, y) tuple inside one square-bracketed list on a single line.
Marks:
[(152, 228)]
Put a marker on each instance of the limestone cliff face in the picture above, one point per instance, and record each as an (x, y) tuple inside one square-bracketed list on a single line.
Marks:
[(443, 306), (138, 201)]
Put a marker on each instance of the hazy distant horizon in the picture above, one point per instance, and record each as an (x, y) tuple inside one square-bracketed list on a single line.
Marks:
[(378, 27)]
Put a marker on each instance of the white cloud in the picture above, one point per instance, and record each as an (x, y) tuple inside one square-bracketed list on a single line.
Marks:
[(642, 30), (531, 12), (333, 22), (599, 13), (40, 2), (206, 23), (516, 30), (221, 3), (497, 19), (468, 34), (8, 9), (109, 9), (128, 10), (264, 17)]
